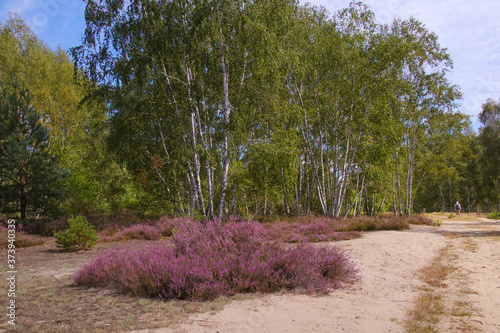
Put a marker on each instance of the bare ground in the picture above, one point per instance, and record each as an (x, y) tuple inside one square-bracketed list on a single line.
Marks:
[(389, 261)]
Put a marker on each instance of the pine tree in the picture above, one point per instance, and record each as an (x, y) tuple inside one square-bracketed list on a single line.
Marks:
[(30, 175)]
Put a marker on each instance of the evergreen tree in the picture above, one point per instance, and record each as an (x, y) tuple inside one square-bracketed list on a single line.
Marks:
[(29, 173)]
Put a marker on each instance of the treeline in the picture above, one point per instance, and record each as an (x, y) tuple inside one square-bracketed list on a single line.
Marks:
[(209, 108)]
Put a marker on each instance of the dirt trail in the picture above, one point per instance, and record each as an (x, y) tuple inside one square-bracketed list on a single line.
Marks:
[(478, 250), (389, 262)]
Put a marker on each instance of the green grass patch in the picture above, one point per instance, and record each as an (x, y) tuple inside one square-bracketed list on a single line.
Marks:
[(494, 215)]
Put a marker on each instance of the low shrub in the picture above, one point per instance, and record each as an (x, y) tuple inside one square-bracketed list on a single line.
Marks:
[(308, 228), (209, 260), (22, 239), (80, 236), (154, 231), (494, 215), (372, 223), (320, 228), (44, 226), (420, 219), (120, 220), (315, 230), (360, 225)]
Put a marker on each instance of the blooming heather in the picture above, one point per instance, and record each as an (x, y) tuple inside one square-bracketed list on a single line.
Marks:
[(162, 228), (206, 261), (22, 239)]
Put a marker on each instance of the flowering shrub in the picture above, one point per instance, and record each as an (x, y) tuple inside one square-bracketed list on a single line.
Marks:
[(320, 228), (162, 228), (308, 228), (311, 231), (209, 260), (22, 239), (372, 223), (141, 231)]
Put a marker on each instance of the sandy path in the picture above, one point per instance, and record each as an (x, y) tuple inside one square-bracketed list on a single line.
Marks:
[(379, 303), (478, 248), (481, 265)]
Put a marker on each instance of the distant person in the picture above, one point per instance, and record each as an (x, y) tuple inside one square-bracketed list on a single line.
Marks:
[(458, 208)]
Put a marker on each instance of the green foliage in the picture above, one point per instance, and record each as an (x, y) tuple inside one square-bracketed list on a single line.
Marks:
[(80, 236), (78, 126), (30, 174), (252, 107), (494, 215), (489, 139), (50, 76)]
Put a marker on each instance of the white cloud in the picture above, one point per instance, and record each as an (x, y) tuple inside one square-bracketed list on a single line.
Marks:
[(43, 15), (17, 6)]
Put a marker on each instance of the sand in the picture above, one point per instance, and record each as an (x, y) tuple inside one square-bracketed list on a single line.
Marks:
[(389, 262)]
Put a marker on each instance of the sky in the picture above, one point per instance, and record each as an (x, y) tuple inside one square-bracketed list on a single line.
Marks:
[(470, 30)]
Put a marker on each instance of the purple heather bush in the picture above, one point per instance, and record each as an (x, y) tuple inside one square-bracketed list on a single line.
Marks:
[(309, 228), (162, 228), (382, 222), (209, 260), (320, 228), (22, 239)]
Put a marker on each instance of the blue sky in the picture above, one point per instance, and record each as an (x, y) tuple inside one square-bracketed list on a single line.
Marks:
[(469, 29), (56, 22)]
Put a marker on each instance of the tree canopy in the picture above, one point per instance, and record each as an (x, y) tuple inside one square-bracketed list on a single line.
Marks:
[(29, 172), (255, 107)]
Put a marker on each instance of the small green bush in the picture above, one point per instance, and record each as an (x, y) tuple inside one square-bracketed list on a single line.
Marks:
[(494, 215), (80, 236)]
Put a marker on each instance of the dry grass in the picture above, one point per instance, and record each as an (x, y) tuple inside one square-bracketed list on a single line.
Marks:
[(436, 273), (438, 300), (426, 313), (428, 307), (48, 301), (466, 217), (462, 309), (46, 309), (468, 244)]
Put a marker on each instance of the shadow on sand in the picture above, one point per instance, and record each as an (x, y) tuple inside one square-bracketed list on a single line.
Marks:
[(468, 229)]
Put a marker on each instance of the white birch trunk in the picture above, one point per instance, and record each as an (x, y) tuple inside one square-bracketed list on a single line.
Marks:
[(226, 112)]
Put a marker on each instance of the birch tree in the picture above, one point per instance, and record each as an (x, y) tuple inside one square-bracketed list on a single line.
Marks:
[(425, 91)]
